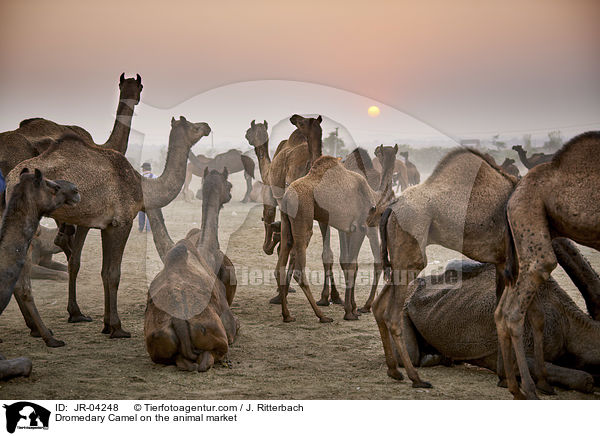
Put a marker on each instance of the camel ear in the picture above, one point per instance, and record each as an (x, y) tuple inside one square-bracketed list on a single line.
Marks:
[(295, 119), (121, 78), (396, 148), (225, 173), (252, 123), (38, 177), (182, 118), (138, 79), (319, 119), (173, 121), (266, 125), (205, 172)]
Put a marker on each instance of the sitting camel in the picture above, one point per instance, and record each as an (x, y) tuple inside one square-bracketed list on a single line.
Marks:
[(336, 197), (413, 175), (113, 192), (534, 159), (32, 197), (509, 167), (556, 199), (42, 249), (233, 160), (453, 314), (188, 320)]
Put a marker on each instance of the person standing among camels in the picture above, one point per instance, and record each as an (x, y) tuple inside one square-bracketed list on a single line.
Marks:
[(143, 221)]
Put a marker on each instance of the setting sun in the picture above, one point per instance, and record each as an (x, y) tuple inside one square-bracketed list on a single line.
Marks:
[(373, 111)]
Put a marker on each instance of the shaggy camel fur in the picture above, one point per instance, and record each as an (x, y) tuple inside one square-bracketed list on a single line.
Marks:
[(336, 197), (113, 192), (558, 198), (509, 167), (456, 319), (198, 333), (461, 207), (32, 197), (534, 159), (413, 175), (233, 160)]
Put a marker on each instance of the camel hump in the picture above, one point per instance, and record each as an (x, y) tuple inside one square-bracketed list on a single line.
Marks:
[(323, 164), (362, 159), (29, 121), (578, 146), (178, 253), (248, 165)]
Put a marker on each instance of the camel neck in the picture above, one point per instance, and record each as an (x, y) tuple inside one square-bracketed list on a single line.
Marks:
[(584, 340), (209, 230), (264, 160), (523, 156), (315, 147), (119, 137)]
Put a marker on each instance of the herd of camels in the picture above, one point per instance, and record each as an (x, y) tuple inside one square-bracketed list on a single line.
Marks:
[(501, 310)]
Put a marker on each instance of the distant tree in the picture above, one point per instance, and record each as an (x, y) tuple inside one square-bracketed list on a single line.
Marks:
[(555, 140), (333, 145), (498, 144), (527, 141)]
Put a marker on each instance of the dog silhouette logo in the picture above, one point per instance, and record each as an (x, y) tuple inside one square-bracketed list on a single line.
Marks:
[(26, 415)]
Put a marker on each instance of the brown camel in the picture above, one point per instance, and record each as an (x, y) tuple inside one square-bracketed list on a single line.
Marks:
[(455, 320), (400, 176), (534, 159), (558, 198), (194, 334), (233, 160), (509, 167), (461, 207), (42, 249), (112, 194), (32, 197), (413, 175), (336, 197)]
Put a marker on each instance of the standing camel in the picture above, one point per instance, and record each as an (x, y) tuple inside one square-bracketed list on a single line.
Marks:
[(233, 160), (535, 159), (413, 176), (32, 197), (336, 197), (400, 175), (113, 192), (557, 199), (188, 320)]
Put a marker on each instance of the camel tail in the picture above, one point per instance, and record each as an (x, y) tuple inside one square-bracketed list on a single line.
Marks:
[(182, 330), (385, 260), (511, 269), (248, 164)]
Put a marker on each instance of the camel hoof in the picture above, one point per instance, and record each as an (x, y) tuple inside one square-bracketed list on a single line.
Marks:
[(79, 318), (337, 300), (323, 302), (105, 329), (289, 319), (421, 384), (545, 388), (395, 374), (37, 334), (351, 317), (119, 333), (364, 309), (54, 343), (275, 300), (325, 319)]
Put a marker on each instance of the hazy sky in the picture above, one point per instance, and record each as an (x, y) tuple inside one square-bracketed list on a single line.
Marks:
[(465, 68)]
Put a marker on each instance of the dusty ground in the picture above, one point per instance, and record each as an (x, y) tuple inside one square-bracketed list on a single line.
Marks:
[(301, 360)]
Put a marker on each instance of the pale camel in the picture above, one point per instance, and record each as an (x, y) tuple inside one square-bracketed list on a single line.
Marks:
[(450, 318), (534, 159), (198, 333), (509, 166), (42, 249), (400, 176), (461, 207), (336, 197), (32, 197), (558, 198), (113, 192), (413, 175)]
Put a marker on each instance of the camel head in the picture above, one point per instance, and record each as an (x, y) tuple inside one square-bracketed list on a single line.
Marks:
[(131, 88), (216, 185), (386, 153), (518, 148), (192, 131), (310, 127), (257, 134), (508, 161), (42, 194)]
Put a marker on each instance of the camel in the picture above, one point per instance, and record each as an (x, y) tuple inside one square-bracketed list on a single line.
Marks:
[(233, 160), (32, 197), (188, 320), (42, 249), (113, 192), (413, 176), (535, 159), (509, 167), (461, 207), (555, 199), (256, 193), (359, 161), (455, 320), (336, 197), (400, 176)]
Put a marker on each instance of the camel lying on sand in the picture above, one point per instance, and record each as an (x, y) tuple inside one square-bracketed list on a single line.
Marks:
[(42, 249), (188, 320), (559, 198), (451, 316), (509, 166), (32, 197)]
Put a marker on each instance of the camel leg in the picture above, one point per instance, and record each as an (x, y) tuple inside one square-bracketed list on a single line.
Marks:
[(75, 314), (19, 367), (569, 378), (47, 262), (113, 246), (64, 238), (377, 268), (248, 178), (280, 270), (39, 272), (350, 244), (288, 277), (24, 298), (380, 310), (500, 285), (327, 257), (536, 319)]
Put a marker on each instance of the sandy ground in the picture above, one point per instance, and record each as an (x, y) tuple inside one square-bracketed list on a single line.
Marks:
[(270, 359)]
